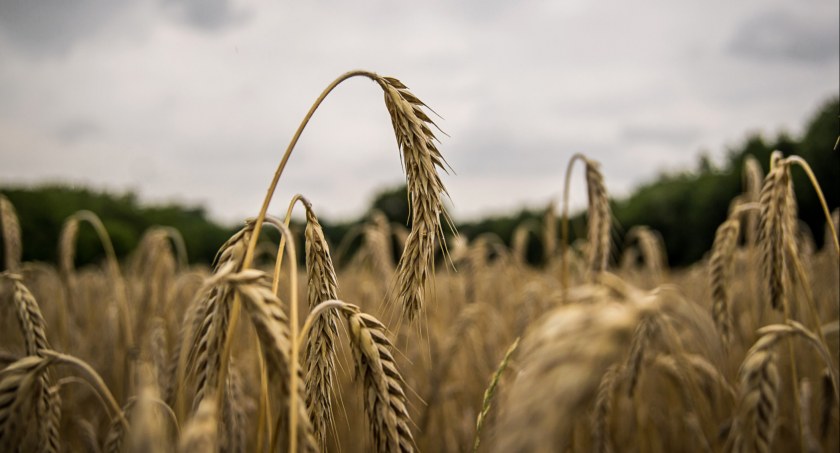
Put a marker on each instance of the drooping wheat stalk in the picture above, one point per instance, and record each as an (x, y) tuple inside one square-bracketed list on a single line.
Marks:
[(421, 160), (599, 221)]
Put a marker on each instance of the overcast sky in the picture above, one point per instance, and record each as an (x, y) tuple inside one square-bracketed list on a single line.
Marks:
[(194, 101)]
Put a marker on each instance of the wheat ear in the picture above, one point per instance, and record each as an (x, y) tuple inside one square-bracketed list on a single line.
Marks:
[(12, 244), (421, 160), (201, 432), (320, 344), (385, 400), (759, 401), (720, 267), (600, 219), (33, 328), (773, 233), (603, 408), (272, 327)]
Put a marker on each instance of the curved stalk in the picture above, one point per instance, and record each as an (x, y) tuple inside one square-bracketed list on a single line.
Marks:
[(564, 243), (92, 377), (120, 289), (807, 168), (252, 245)]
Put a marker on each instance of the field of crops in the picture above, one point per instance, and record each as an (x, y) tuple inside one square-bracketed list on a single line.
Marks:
[(456, 346)]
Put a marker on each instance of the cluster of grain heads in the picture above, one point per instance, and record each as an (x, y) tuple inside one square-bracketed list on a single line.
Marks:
[(756, 420), (27, 423)]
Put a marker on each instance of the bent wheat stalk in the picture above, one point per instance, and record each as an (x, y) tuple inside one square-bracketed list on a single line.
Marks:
[(421, 160)]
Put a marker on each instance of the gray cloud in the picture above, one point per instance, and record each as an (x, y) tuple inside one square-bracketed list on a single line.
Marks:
[(669, 135), (54, 26), (77, 130), (207, 15), (779, 35)]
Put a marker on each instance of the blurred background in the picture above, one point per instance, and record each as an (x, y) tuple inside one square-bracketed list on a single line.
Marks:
[(177, 111)]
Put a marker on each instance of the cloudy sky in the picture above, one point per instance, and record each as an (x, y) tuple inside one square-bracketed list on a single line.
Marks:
[(194, 101)]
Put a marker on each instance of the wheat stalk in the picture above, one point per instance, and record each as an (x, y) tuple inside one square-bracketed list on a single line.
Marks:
[(603, 408), (20, 385), (272, 328), (33, 328), (320, 346), (12, 244), (600, 219), (385, 400), (490, 393), (753, 177), (773, 233), (756, 424), (210, 336), (720, 267), (549, 234), (421, 160)]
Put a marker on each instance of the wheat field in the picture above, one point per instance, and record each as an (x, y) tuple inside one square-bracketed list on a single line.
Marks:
[(457, 346)]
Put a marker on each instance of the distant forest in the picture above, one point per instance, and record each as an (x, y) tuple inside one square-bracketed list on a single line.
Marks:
[(685, 207)]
